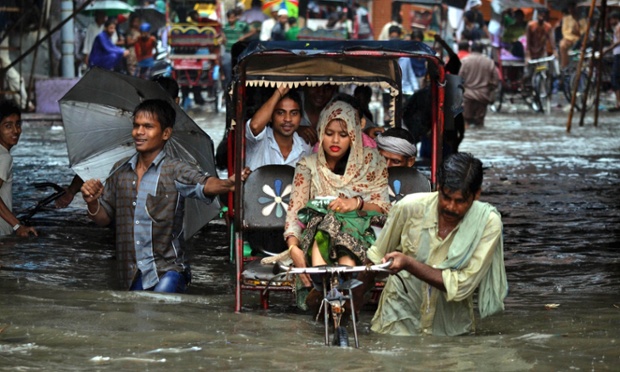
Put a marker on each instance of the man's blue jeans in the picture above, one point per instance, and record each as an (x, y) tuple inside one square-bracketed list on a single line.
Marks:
[(170, 282)]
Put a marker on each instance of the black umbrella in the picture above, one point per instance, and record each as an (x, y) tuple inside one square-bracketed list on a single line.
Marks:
[(97, 117), (151, 15)]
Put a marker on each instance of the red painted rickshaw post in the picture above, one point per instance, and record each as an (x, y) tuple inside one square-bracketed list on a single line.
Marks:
[(236, 165), (437, 90)]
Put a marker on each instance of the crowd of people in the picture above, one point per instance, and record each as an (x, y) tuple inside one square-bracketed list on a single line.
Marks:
[(513, 35), (444, 244), (132, 52), (144, 196)]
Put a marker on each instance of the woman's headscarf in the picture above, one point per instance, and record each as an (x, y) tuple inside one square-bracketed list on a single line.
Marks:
[(366, 170)]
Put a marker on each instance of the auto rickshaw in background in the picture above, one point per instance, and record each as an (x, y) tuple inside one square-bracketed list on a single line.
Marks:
[(260, 204), (195, 39)]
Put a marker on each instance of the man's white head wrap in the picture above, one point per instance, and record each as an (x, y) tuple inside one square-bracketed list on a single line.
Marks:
[(396, 145), (472, 3)]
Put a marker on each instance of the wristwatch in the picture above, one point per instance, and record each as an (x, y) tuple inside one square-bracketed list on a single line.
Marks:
[(16, 227)]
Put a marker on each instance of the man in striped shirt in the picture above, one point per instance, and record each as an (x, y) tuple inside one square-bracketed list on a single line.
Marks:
[(144, 199)]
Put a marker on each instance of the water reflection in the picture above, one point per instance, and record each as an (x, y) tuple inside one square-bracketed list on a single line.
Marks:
[(558, 196)]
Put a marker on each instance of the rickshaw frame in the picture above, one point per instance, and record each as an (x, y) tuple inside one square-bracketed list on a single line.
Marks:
[(195, 68), (270, 64)]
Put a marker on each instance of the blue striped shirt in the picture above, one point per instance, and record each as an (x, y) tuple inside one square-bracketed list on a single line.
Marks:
[(149, 220)]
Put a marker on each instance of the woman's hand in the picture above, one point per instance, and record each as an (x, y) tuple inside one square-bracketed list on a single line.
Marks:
[(343, 205)]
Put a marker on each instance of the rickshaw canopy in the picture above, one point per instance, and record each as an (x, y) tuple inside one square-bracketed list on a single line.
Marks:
[(312, 63)]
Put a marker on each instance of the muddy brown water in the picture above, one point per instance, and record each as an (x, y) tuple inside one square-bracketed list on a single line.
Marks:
[(558, 194)]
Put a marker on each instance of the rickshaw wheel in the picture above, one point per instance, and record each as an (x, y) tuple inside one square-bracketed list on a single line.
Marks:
[(569, 82), (341, 337), (496, 106), (539, 93)]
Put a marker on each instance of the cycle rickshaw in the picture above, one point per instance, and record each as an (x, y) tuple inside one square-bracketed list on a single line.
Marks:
[(195, 45), (260, 203)]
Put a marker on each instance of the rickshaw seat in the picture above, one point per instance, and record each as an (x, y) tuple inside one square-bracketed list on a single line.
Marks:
[(266, 195), (401, 182), (267, 191), (405, 180)]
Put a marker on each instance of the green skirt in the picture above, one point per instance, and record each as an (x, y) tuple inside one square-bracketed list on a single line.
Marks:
[(338, 234)]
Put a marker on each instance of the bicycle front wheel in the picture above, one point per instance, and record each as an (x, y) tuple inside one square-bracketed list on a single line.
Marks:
[(496, 106), (581, 89), (542, 93)]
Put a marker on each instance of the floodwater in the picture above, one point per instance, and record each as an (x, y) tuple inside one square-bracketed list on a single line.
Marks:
[(561, 212)]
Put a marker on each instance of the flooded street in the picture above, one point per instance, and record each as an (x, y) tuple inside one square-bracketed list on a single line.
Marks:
[(557, 192)]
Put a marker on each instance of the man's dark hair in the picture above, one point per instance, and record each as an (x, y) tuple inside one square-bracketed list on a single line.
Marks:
[(230, 12), (160, 109), (364, 91), (477, 47), (463, 45), (294, 95), (168, 84), (292, 21), (399, 133), (460, 172), (395, 29), (470, 16), (417, 34), (8, 108), (108, 22), (615, 15)]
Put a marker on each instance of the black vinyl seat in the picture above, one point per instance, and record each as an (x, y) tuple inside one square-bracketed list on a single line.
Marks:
[(405, 180), (267, 192)]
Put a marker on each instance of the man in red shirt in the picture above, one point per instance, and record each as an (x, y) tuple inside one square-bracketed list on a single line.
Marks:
[(539, 36), (539, 39), (145, 47)]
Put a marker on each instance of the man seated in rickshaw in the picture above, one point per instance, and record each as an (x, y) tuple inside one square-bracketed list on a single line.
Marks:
[(277, 143), (363, 94), (397, 147), (314, 100), (355, 177)]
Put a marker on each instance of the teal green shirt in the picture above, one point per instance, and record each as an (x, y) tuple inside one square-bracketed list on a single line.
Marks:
[(234, 32), (291, 34)]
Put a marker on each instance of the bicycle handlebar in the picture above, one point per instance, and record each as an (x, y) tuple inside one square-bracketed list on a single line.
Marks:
[(541, 60), (336, 269)]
